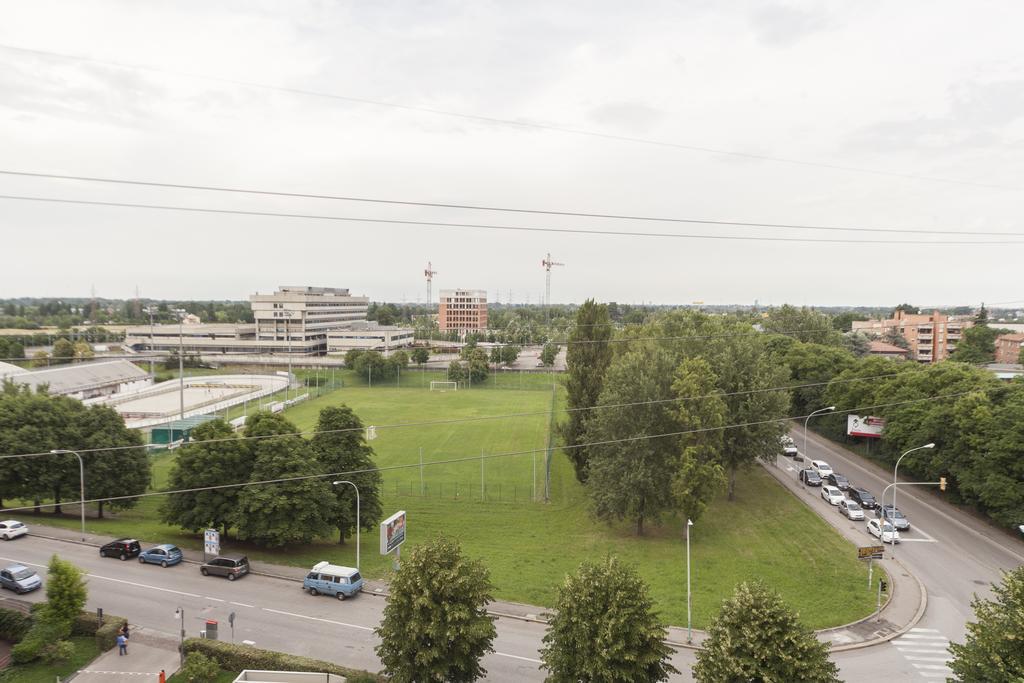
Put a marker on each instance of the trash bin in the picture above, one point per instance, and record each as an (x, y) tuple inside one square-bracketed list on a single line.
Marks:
[(211, 629)]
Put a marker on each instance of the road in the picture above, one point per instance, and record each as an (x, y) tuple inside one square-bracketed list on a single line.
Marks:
[(954, 555)]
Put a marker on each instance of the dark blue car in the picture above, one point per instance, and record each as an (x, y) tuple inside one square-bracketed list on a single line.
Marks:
[(164, 555)]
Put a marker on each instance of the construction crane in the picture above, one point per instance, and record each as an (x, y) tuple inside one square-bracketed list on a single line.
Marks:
[(547, 263), (429, 273)]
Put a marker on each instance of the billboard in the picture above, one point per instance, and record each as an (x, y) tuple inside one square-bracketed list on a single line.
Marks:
[(870, 552), (211, 542), (869, 426), (392, 532)]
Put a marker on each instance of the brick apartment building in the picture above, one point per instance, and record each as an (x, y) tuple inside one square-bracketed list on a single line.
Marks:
[(462, 310), (1008, 347), (931, 336)]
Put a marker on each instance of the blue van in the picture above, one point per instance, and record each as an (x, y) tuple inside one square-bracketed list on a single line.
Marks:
[(331, 579)]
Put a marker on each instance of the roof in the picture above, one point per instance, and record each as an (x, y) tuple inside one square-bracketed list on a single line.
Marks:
[(68, 379), (9, 369), (334, 569), (885, 347), (1015, 337), (187, 423)]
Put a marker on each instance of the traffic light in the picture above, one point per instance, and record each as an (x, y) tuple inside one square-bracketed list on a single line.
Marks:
[(942, 483), (883, 585)]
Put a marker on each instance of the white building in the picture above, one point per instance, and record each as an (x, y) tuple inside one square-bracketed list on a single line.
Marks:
[(85, 380), (369, 336)]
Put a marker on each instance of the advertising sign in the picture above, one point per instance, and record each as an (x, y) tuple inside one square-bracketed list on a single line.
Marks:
[(211, 542), (870, 552), (392, 532), (869, 426)]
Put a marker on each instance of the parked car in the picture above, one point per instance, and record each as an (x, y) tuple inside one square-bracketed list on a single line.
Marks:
[(331, 579), (122, 549), (839, 481), (849, 508), (832, 495), (12, 528), (821, 467), (883, 531), (810, 477), (19, 578), (863, 498), (164, 555), (789, 446), (231, 566), (893, 515)]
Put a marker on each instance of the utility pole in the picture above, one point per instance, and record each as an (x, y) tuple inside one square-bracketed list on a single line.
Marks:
[(429, 273), (547, 263), (181, 362)]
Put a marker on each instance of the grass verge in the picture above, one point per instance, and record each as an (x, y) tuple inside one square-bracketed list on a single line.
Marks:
[(86, 650)]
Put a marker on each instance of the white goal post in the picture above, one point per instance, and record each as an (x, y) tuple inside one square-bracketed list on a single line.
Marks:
[(439, 385)]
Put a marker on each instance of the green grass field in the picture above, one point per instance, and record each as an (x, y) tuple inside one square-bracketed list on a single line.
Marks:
[(86, 650), (766, 533)]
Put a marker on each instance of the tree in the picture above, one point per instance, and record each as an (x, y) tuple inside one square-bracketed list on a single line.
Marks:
[(892, 336), (756, 637), (804, 324), (857, 343), (629, 473), (811, 367), (509, 354), (286, 512), (198, 668), (63, 351), (40, 359), (994, 647), (587, 358), (458, 372), (982, 318), (844, 321), (340, 447), (905, 308), (1020, 357), (978, 345), (435, 625), (605, 630), (83, 351), (548, 354), (351, 356), (114, 473), (65, 593), (698, 475), (420, 355), (696, 483), (224, 459)]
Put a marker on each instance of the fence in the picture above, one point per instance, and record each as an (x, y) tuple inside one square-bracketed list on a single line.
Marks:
[(466, 491)]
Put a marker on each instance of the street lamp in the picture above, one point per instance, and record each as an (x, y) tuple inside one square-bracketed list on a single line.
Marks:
[(180, 312), (689, 626), (180, 614), (808, 419), (894, 471), (81, 483), (335, 483), (288, 333)]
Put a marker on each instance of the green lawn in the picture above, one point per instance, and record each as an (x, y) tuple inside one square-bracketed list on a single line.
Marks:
[(86, 650), (766, 533)]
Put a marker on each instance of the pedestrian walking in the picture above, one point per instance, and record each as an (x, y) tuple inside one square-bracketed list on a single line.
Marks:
[(122, 645), (123, 631)]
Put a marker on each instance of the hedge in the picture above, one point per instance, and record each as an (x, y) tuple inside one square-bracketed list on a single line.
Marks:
[(232, 657), (87, 624), (13, 625)]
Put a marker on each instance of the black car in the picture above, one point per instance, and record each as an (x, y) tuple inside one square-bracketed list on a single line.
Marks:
[(863, 497), (810, 477), (122, 549), (231, 566), (839, 481)]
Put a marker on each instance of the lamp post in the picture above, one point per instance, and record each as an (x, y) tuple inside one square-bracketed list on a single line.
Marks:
[(180, 312), (335, 483), (288, 333), (689, 626), (180, 613), (151, 310), (808, 419), (895, 470), (81, 483)]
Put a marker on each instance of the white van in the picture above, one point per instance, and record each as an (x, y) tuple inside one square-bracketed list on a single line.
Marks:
[(332, 579)]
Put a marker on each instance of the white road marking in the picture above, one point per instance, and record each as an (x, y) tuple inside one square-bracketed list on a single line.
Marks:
[(214, 599), (242, 604), (932, 667), (326, 621), (927, 659), (904, 539), (525, 659), (933, 651), (935, 674), (108, 578), (921, 636), (924, 630)]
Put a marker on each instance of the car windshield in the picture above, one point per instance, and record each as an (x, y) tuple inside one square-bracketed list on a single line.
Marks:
[(896, 513), (173, 550), (850, 505), (23, 573), (887, 527)]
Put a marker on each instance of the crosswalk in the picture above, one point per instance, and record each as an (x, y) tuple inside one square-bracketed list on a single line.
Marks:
[(926, 649)]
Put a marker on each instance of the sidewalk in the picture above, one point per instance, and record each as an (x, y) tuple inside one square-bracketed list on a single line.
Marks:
[(903, 609), (148, 654)]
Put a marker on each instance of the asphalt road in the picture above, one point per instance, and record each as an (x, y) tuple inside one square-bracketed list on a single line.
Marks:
[(954, 555)]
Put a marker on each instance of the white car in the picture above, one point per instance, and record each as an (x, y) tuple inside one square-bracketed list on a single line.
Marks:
[(833, 495), (12, 529), (849, 508), (788, 446), (886, 534), (821, 467)]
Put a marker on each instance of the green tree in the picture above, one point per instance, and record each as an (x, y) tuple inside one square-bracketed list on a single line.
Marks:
[(114, 473), (857, 343), (83, 351), (587, 358), (811, 368), (198, 668), (757, 637), (510, 354), (65, 594), (457, 371), (697, 481), (630, 474), (40, 359), (63, 351), (981, 319), (905, 308), (804, 324), (978, 345), (844, 321), (548, 353), (351, 356), (698, 475), (994, 647), (223, 459), (340, 447), (605, 629), (1020, 356), (435, 625), (420, 355), (286, 512)]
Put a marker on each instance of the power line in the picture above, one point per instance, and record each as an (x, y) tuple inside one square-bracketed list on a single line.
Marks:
[(504, 209), (477, 458), (513, 123), (478, 418), (486, 226)]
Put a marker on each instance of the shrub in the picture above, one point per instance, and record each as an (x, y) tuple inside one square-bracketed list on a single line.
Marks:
[(39, 636), (106, 635), (13, 625), (232, 657), (198, 668), (58, 651)]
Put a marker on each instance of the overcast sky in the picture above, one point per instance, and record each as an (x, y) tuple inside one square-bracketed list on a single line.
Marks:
[(926, 89)]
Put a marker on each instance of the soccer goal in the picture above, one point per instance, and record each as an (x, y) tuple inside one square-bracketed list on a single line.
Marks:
[(437, 385)]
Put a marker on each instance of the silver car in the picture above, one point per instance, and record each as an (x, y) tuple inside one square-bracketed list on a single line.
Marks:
[(849, 508), (19, 578)]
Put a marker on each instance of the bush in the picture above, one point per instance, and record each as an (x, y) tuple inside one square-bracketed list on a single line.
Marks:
[(58, 651), (38, 637), (198, 668), (13, 625), (231, 657), (106, 635)]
